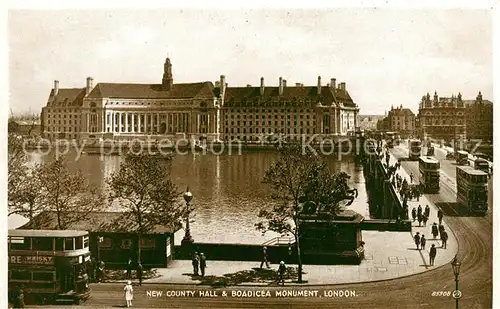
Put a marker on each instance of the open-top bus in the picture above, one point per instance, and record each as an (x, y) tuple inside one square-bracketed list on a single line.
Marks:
[(414, 149), (462, 157), (472, 189), (429, 173), (50, 265)]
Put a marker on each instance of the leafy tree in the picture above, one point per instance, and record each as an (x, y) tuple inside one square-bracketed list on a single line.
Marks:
[(15, 165), (66, 193), (143, 187), (298, 179)]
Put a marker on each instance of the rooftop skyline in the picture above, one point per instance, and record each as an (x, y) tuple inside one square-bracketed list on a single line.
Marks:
[(385, 56)]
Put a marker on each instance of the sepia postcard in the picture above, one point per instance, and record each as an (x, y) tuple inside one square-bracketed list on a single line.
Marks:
[(249, 157)]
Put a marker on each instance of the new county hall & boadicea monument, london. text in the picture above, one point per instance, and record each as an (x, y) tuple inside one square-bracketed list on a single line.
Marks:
[(217, 112)]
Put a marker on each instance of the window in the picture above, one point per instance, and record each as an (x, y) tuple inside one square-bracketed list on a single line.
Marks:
[(59, 244), (147, 242), (126, 243), (43, 276), (78, 243), (68, 244), (42, 243), (106, 243), (20, 243), (21, 275)]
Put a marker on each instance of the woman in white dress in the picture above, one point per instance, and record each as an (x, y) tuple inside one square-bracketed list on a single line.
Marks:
[(129, 293)]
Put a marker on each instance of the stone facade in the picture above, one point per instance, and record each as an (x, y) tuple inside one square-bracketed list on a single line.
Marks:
[(214, 112)]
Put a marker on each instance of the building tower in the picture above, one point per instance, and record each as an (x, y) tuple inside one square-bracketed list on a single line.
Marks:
[(167, 81)]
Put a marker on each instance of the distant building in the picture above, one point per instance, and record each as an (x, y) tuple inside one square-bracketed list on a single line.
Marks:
[(479, 119), (402, 120), (200, 109), (442, 118), (25, 127), (369, 122)]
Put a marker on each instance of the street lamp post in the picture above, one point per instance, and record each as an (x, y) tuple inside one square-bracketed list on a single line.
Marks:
[(455, 264), (187, 240)]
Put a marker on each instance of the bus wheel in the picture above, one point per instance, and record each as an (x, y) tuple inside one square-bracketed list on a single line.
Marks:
[(77, 301)]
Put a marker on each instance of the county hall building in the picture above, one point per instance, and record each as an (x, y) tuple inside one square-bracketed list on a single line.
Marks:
[(123, 111)]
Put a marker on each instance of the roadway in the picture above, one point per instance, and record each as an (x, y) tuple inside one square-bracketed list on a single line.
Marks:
[(475, 240)]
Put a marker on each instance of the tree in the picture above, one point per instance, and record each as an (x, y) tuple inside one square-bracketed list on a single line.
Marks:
[(143, 187), (300, 178), (66, 193)]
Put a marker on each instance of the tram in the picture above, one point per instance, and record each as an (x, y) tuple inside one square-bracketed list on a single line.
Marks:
[(414, 149), (429, 174), (481, 164), (462, 157), (472, 189), (390, 138), (49, 265)]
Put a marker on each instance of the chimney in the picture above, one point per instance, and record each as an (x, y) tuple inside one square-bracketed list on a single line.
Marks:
[(281, 86), (333, 83), (298, 84), (56, 87), (90, 81), (249, 86), (284, 83), (262, 86), (342, 86), (223, 86), (319, 85)]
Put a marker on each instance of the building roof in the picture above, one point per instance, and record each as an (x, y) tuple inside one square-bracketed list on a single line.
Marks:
[(152, 91), (251, 95), (472, 102), (99, 221), (46, 233), (26, 122), (401, 111), (66, 97)]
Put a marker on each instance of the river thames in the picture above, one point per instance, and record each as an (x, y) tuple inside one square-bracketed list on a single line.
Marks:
[(228, 189)]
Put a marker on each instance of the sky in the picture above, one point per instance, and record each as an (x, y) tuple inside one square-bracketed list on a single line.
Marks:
[(386, 56)]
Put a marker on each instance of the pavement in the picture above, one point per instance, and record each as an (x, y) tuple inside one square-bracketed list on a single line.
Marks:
[(388, 255)]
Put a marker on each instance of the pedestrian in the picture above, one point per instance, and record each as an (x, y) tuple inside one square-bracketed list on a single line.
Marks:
[(422, 242), (414, 214), (195, 262), (100, 272), (432, 255), (419, 210), (444, 239), (440, 216), (139, 272), (91, 269), (417, 240), (434, 230), (264, 258), (441, 230), (129, 293), (419, 218), (129, 268), (281, 271), (411, 177), (427, 211), (424, 219), (203, 264)]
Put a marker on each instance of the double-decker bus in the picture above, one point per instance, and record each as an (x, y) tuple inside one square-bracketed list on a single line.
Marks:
[(481, 164), (414, 149), (429, 173), (462, 157), (472, 189), (389, 138), (50, 265)]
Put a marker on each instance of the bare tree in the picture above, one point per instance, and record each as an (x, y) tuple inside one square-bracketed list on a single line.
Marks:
[(300, 178), (66, 193), (143, 187)]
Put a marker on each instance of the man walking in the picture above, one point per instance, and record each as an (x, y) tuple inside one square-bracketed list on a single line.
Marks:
[(264, 258), (440, 216), (419, 210), (203, 264), (281, 271), (432, 255), (434, 230), (444, 239), (427, 211), (417, 240), (414, 214), (129, 268), (419, 218), (139, 272), (422, 242), (424, 219), (195, 262)]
